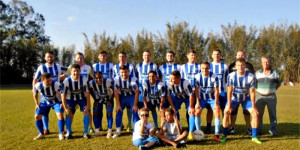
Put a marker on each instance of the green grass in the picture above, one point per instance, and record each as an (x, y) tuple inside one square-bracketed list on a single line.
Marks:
[(18, 128)]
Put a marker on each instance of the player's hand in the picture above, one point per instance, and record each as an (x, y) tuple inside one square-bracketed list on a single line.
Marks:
[(161, 110), (37, 107), (217, 106), (175, 111), (197, 106), (227, 110), (255, 111), (191, 111), (68, 110), (87, 109), (135, 108), (118, 108)]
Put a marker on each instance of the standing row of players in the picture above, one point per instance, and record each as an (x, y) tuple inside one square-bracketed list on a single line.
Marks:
[(199, 86)]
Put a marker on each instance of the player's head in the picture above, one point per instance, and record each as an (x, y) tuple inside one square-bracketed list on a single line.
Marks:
[(75, 71), (170, 56), (205, 68), (240, 54), (169, 114), (266, 62), (79, 58), (240, 65), (191, 55), (102, 56), (49, 57), (146, 56), (216, 55), (122, 57), (144, 113), (152, 76), (46, 79), (98, 77), (175, 77), (124, 72)]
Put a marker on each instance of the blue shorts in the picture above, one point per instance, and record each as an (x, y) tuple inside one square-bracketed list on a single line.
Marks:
[(72, 104), (222, 99), (45, 108), (98, 107), (144, 141), (127, 101), (209, 104), (178, 101), (152, 106), (246, 104)]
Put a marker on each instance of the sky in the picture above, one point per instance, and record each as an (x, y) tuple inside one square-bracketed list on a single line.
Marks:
[(66, 20)]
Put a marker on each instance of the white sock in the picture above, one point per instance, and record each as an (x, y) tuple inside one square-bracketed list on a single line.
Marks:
[(97, 130), (119, 129)]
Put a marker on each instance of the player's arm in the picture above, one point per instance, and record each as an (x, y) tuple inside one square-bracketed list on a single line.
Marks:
[(217, 97), (145, 93), (196, 91), (179, 130), (252, 98), (35, 98), (171, 102), (229, 96), (34, 81), (88, 101), (136, 98), (117, 99)]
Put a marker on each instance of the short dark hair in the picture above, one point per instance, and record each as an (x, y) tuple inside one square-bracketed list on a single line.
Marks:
[(76, 66), (172, 52), (79, 53), (242, 60), (98, 73), (217, 50), (171, 111), (152, 71), (103, 52), (144, 109), (45, 76), (205, 63), (176, 73), (191, 51), (122, 52), (49, 52), (123, 67), (147, 52)]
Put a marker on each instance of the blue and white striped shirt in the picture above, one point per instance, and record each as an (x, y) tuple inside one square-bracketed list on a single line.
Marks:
[(221, 70), (241, 85), (116, 70), (75, 90), (142, 70), (188, 72), (106, 69), (153, 92), (182, 91), (165, 71), (207, 85), (54, 70), (104, 91), (126, 87), (48, 94)]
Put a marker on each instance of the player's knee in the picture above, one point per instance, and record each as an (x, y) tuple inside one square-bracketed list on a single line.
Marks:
[(198, 113), (38, 117), (246, 112), (60, 116)]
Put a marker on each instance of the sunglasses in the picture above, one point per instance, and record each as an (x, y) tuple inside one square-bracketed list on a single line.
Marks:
[(144, 115)]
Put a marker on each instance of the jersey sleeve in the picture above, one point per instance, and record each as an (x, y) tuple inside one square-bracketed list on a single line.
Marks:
[(197, 80), (145, 89), (253, 81), (38, 73), (64, 87), (57, 86), (161, 89), (36, 88), (136, 84), (116, 84), (85, 85), (229, 80), (187, 88), (215, 81)]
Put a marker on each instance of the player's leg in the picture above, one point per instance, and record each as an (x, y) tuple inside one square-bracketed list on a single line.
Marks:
[(209, 117), (254, 117), (38, 122), (191, 119), (247, 121), (260, 106), (234, 105), (165, 139), (71, 104), (233, 117), (60, 119), (271, 104), (86, 117), (109, 116), (100, 115), (222, 101), (96, 117), (45, 119), (119, 116), (129, 116), (198, 113), (217, 120), (154, 114), (182, 136)]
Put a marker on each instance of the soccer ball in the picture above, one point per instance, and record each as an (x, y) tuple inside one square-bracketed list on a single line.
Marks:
[(198, 135)]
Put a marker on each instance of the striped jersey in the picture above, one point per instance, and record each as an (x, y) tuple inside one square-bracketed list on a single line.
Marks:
[(266, 84), (54, 70), (126, 87), (48, 94), (221, 70), (106, 69), (85, 71), (165, 71), (103, 92), (142, 70), (75, 90), (182, 90), (241, 85), (116, 70), (207, 85), (188, 72), (153, 92)]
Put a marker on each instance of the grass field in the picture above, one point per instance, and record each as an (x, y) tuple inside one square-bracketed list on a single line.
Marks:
[(18, 129)]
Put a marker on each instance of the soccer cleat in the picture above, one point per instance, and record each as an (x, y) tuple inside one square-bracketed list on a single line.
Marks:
[(86, 135), (217, 137), (231, 131), (190, 137), (249, 131), (273, 133), (109, 134), (207, 131), (61, 137), (68, 136), (129, 128), (117, 134), (40, 136), (91, 130), (223, 139), (46, 132), (256, 140)]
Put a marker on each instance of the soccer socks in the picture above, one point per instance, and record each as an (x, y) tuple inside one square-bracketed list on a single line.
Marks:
[(61, 124), (46, 122), (208, 126), (254, 132), (198, 123), (86, 122), (191, 123), (69, 125), (217, 126), (129, 115), (109, 121), (119, 119), (96, 120), (100, 115), (136, 117), (225, 131), (154, 116), (39, 126)]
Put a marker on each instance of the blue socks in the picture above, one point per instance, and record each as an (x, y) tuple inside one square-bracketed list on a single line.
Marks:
[(39, 126), (109, 121), (191, 123), (46, 122), (129, 115), (154, 116), (69, 125), (217, 126), (225, 131), (119, 119), (198, 123), (86, 122), (96, 120), (61, 124), (254, 132), (208, 126)]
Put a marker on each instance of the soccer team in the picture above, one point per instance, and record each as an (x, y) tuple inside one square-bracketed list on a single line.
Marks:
[(144, 88)]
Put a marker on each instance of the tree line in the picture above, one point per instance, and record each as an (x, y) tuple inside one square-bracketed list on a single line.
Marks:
[(23, 43)]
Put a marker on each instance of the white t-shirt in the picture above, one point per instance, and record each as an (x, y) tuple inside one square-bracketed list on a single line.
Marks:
[(171, 129), (137, 128)]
